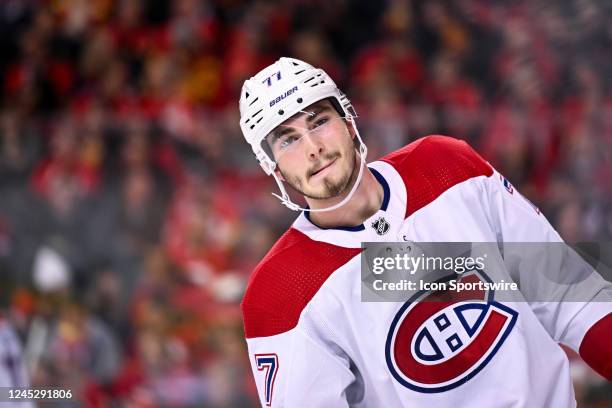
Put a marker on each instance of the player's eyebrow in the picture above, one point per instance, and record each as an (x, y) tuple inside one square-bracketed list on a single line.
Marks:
[(311, 113), (278, 133)]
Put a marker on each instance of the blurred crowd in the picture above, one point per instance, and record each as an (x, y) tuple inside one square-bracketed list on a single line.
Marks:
[(132, 212)]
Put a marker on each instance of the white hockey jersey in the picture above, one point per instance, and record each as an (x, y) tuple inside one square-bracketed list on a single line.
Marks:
[(13, 373), (313, 342)]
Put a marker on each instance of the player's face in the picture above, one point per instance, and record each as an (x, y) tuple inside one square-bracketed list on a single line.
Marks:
[(314, 151)]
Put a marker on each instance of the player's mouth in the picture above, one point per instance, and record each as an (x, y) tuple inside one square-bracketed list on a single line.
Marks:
[(323, 170)]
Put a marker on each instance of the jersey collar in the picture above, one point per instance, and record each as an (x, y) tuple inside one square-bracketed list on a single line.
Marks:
[(393, 210)]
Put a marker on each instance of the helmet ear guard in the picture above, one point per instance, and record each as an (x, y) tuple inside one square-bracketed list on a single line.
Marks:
[(267, 164), (280, 91)]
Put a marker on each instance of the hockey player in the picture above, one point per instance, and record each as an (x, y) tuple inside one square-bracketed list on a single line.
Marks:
[(313, 342)]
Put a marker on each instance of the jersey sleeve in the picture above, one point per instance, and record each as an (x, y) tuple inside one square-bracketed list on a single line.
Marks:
[(294, 355), (567, 311), (299, 369)]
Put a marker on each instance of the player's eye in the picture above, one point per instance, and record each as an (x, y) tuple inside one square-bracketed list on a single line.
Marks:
[(320, 122), (286, 141)]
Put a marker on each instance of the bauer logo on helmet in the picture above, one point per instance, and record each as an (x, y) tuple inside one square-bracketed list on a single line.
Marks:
[(283, 96)]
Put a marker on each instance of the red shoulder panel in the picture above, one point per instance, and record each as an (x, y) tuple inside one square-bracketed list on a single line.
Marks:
[(596, 349), (286, 280), (433, 164)]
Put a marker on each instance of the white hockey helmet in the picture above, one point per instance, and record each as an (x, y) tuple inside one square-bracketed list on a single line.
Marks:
[(278, 92)]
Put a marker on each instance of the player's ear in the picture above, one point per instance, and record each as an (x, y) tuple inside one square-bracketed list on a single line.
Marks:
[(279, 174), (350, 125)]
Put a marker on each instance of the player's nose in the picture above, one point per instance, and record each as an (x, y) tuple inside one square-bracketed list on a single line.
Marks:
[(313, 146)]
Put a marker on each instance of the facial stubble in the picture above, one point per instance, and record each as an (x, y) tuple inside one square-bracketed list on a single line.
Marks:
[(331, 189)]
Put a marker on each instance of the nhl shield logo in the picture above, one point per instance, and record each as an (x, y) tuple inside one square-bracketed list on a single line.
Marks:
[(381, 226)]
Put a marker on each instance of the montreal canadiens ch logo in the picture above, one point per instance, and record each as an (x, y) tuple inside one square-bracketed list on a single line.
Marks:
[(439, 340)]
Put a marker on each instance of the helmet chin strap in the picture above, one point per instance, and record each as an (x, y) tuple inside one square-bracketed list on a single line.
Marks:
[(286, 200)]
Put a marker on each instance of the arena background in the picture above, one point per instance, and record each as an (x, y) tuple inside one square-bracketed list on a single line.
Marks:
[(132, 212)]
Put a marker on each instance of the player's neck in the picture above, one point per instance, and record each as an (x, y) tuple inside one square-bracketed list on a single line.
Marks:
[(365, 202)]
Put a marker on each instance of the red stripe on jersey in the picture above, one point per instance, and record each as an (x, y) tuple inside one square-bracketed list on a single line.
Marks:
[(286, 280), (433, 164), (596, 347)]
